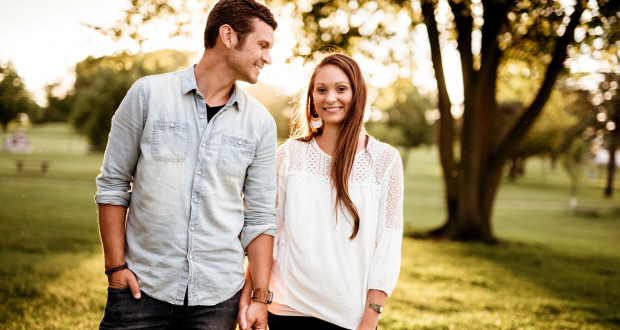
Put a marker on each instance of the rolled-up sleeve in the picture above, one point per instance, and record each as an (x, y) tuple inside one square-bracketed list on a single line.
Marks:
[(122, 151), (260, 189)]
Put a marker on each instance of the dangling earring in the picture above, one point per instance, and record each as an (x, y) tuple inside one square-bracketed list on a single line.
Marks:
[(316, 122)]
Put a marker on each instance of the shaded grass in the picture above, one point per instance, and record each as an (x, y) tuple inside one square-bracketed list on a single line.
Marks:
[(509, 286)]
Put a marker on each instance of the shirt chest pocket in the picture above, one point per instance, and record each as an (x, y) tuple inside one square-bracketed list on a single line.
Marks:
[(235, 155), (170, 141)]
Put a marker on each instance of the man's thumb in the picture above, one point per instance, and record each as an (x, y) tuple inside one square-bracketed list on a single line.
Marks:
[(133, 285)]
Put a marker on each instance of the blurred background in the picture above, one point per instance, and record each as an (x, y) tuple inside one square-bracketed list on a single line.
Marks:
[(506, 115)]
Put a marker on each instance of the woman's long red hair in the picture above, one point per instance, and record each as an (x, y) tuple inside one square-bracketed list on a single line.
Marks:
[(352, 126)]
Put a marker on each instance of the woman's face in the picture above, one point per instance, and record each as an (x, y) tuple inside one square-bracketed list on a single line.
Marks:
[(332, 94)]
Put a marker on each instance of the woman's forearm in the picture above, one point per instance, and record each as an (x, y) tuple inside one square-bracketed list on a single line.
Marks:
[(370, 317)]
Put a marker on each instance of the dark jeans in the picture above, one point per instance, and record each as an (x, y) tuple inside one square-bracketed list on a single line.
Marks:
[(277, 322), (123, 311)]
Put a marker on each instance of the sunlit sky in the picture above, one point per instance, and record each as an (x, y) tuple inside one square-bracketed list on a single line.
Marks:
[(45, 39)]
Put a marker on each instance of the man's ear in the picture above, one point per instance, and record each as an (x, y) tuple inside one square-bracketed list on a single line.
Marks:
[(228, 36)]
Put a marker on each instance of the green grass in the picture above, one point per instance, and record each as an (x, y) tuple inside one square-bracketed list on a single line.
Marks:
[(552, 270)]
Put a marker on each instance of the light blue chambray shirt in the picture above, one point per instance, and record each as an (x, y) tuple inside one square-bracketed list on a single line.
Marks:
[(187, 226)]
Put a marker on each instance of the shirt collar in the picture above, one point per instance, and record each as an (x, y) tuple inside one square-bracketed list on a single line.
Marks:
[(188, 83)]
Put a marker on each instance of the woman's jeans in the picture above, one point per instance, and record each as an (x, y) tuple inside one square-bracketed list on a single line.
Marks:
[(123, 311)]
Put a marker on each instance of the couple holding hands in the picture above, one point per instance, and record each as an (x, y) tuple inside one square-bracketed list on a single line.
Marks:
[(192, 182)]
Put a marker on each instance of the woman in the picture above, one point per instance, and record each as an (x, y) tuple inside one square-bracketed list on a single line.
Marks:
[(338, 210)]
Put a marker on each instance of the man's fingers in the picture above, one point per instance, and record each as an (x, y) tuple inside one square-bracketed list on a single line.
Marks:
[(133, 285)]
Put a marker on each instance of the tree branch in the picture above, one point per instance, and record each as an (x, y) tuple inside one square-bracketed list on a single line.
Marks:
[(553, 70)]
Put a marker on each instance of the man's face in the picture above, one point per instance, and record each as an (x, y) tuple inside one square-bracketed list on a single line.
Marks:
[(252, 57)]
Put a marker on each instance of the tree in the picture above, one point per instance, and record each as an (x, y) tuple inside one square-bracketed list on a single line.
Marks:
[(101, 84), (14, 98), (400, 117), (609, 114)]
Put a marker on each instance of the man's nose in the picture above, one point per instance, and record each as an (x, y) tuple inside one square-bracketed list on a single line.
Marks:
[(267, 57)]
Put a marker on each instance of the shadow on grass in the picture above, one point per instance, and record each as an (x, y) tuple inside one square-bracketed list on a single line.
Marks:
[(588, 284)]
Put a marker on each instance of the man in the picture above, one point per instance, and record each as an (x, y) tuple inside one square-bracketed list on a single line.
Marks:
[(187, 149)]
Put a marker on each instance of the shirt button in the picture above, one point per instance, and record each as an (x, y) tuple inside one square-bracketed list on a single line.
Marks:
[(190, 257), (171, 125), (195, 200), (199, 172), (203, 144), (201, 117), (193, 228)]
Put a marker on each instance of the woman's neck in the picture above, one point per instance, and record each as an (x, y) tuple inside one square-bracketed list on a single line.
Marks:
[(328, 138)]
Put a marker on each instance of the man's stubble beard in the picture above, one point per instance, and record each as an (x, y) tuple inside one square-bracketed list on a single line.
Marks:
[(238, 64)]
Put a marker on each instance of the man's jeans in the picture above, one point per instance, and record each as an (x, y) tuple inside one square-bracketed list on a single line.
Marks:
[(123, 311)]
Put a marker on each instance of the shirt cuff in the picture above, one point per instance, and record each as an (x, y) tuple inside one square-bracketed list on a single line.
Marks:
[(249, 233), (120, 198)]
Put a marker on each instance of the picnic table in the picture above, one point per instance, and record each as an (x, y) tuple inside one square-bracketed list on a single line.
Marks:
[(40, 163)]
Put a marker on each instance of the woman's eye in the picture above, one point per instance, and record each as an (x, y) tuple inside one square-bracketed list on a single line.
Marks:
[(342, 89), (321, 90)]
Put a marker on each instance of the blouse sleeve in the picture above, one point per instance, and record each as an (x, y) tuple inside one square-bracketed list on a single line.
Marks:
[(385, 264), (281, 168)]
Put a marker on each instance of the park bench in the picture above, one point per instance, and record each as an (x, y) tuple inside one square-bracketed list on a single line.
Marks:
[(43, 164)]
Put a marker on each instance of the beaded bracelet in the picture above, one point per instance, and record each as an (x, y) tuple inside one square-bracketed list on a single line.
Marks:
[(115, 269)]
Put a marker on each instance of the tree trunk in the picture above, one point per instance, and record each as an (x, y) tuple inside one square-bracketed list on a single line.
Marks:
[(471, 185), (613, 145), (5, 127)]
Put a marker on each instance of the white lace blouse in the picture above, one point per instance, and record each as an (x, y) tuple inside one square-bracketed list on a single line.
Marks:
[(318, 271)]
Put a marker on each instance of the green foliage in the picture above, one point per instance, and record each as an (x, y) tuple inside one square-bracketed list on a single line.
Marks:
[(101, 84), (14, 98), (405, 121)]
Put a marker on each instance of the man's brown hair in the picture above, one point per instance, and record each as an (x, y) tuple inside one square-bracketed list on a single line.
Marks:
[(240, 15)]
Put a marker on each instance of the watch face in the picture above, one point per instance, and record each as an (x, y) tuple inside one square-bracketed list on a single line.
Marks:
[(381, 309)]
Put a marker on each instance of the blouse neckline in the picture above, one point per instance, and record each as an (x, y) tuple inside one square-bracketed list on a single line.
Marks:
[(361, 152)]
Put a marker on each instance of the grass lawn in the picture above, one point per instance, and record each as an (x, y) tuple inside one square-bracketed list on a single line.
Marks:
[(552, 270)]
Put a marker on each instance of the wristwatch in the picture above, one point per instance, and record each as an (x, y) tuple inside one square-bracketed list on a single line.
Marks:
[(261, 295), (375, 307)]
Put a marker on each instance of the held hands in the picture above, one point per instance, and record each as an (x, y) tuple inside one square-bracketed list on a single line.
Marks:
[(252, 315), (125, 278)]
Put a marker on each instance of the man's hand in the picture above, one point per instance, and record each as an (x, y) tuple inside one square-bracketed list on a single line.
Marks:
[(256, 316), (122, 279)]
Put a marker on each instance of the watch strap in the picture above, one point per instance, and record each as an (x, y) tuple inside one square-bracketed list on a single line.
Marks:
[(262, 295), (375, 307)]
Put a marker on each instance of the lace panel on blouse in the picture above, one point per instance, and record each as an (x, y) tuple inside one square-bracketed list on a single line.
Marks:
[(394, 200)]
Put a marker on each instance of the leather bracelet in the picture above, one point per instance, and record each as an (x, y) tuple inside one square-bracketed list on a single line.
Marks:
[(263, 296), (115, 269)]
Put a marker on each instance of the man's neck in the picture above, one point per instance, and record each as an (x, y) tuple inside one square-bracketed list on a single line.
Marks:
[(214, 78)]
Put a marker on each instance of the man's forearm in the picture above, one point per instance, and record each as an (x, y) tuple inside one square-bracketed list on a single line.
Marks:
[(260, 256), (112, 230)]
